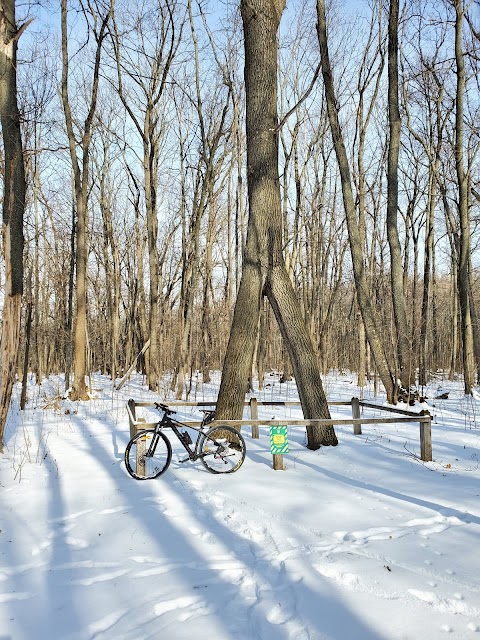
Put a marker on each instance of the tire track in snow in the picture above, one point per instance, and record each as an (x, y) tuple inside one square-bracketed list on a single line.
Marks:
[(353, 543)]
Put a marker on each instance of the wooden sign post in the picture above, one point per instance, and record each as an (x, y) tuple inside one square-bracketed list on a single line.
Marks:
[(278, 445)]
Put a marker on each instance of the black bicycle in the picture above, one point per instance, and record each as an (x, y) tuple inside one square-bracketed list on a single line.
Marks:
[(149, 453)]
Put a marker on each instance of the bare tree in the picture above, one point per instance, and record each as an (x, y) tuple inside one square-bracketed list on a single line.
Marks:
[(463, 275), (355, 238), (97, 16), (264, 271), (213, 126), (146, 62), (404, 352), (13, 205)]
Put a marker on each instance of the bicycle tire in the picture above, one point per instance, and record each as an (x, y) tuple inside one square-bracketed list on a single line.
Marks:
[(222, 449), (142, 468)]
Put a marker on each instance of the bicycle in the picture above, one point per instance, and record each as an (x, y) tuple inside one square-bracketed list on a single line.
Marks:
[(221, 449)]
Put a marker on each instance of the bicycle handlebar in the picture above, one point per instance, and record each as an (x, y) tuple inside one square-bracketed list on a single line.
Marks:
[(164, 408), (208, 417)]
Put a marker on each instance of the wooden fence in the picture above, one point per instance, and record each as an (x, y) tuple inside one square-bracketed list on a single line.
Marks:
[(423, 418)]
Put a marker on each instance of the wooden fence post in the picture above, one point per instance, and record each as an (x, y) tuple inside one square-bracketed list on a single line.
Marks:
[(357, 428), (131, 406), (278, 462), (254, 416), (426, 438), (140, 448)]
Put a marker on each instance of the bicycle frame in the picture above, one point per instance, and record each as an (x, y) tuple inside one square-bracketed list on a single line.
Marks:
[(175, 426)]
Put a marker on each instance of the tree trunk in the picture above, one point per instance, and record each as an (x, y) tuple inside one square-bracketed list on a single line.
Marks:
[(264, 269), (28, 334), (464, 215), (80, 391), (151, 215), (69, 314), (13, 207), (354, 234), (80, 168), (427, 277), (404, 352)]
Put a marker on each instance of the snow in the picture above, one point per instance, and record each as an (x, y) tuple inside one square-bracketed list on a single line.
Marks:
[(359, 542)]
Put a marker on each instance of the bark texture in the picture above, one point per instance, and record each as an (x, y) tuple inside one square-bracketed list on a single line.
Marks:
[(13, 207), (264, 271), (404, 352)]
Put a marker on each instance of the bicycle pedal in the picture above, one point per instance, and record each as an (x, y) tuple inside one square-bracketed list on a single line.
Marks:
[(184, 460)]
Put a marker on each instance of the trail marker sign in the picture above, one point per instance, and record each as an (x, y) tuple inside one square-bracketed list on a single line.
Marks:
[(278, 440)]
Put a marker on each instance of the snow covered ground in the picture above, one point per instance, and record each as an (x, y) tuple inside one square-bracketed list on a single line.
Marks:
[(359, 542)]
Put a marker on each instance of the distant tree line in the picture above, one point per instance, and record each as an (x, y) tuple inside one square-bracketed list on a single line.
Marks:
[(143, 196)]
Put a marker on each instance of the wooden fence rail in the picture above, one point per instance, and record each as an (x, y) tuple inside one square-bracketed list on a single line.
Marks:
[(423, 418)]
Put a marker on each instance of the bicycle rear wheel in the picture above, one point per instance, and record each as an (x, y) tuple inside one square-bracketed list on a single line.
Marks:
[(146, 467), (222, 450)]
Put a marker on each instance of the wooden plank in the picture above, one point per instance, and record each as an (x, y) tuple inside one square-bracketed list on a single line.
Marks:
[(403, 412), (323, 421), (264, 403)]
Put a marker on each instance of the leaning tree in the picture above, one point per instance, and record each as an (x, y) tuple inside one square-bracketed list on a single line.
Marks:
[(264, 272)]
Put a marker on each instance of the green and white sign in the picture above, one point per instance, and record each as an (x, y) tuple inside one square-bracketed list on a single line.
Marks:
[(278, 440)]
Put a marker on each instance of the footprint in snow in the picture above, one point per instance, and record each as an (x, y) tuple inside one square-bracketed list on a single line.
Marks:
[(258, 534), (17, 595), (352, 581), (102, 577), (234, 576), (279, 612), (184, 602), (72, 542), (203, 535), (105, 512), (72, 516), (455, 605), (278, 602), (104, 624), (201, 609), (248, 587), (76, 542)]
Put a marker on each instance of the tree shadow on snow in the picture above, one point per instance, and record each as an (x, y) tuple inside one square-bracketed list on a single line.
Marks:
[(206, 578)]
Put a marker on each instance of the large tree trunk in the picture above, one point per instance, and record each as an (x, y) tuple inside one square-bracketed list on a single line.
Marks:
[(404, 352), (13, 207), (264, 270)]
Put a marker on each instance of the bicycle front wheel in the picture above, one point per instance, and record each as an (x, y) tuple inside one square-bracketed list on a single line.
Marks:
[(222, 450), (144, 461)]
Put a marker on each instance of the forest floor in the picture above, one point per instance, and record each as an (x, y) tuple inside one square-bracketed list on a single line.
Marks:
[(359, 542)]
